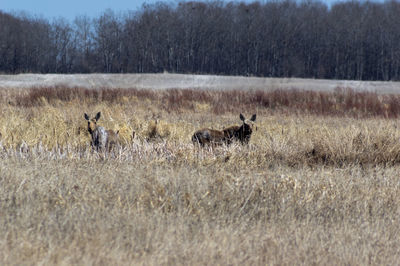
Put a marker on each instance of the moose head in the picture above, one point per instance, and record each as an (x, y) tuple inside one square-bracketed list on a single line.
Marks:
[(241, 133), (92, 122), (101, 138)]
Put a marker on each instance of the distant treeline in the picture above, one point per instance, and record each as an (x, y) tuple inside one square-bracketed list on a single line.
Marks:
[(349, 40)]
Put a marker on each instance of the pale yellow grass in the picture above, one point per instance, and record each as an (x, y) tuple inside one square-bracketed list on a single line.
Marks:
[(307, 190), (147, 211)]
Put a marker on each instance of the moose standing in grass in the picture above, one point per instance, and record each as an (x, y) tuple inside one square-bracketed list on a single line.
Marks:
[(101, 138), (241, 133)]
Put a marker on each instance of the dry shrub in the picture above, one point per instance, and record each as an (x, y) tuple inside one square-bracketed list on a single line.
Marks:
[(157, 130), (55, 95), (341, 102)]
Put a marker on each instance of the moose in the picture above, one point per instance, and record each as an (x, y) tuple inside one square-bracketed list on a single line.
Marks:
[(101, 138), (241, 133)]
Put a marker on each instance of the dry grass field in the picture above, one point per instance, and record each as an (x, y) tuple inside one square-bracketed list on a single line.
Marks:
[(317, 184)]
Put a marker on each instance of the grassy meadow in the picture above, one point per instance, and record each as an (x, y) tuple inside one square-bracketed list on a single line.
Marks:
[(318, 183)]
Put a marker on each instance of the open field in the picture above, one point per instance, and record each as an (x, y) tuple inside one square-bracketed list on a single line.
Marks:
[(318, 183), (182, 81)]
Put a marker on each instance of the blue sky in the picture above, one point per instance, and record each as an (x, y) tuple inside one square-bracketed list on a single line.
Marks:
[(69, 9)]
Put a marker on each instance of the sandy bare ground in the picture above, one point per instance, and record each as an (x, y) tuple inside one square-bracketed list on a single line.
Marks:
[(181, 81)]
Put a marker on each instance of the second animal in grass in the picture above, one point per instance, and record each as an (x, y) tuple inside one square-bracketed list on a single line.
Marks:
[(101, 138), (241, 133)]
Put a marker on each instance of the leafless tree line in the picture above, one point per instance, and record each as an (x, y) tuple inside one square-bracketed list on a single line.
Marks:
[(349, 40)]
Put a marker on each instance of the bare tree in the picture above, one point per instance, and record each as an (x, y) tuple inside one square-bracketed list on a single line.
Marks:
[(107, 42)]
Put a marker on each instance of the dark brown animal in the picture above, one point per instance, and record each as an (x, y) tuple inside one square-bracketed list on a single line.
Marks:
[(207, 136), (226, 136), (241, 133), (101, 138)]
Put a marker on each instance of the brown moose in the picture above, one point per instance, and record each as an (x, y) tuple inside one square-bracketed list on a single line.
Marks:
[(241, 133)]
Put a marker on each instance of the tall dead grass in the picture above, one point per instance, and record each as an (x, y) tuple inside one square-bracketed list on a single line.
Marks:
[(312, 187), (292, 140), (143, 208)]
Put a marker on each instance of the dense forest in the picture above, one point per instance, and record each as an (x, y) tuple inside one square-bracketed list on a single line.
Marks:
[(347, 40)]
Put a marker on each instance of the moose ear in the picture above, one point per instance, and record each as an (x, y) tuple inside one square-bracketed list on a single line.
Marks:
[(253, 118), (86, 117), (242, 117), (97, 116)]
